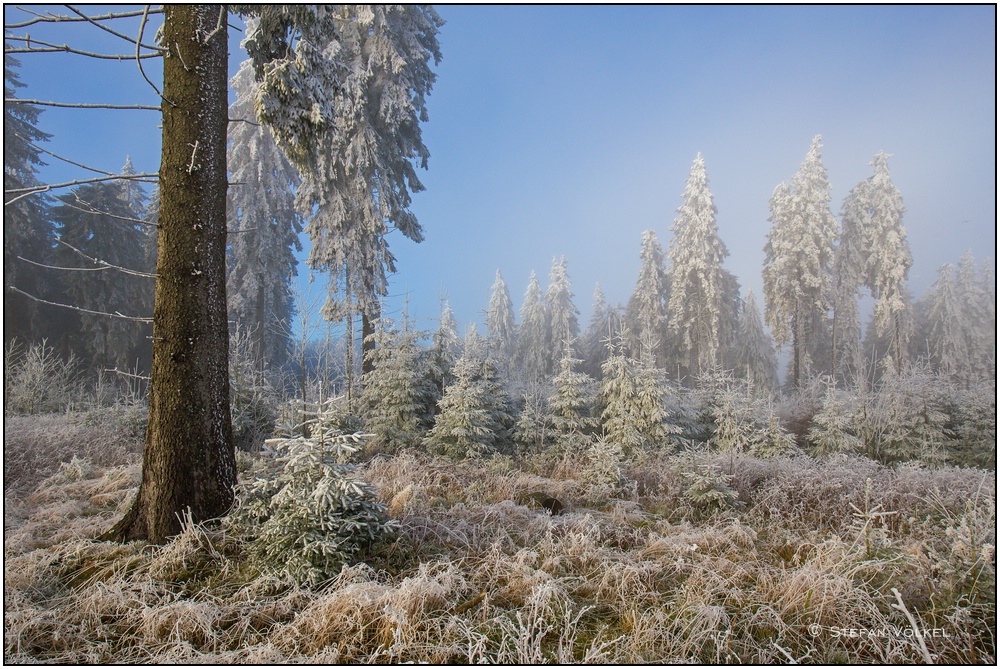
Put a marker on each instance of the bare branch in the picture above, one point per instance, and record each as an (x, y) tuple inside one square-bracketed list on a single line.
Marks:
[(99, 212), (104, 263), (137, 319), (138, 43), (21, 192), (219, 26), (77, 105), (243, 120), (63, 269), (138, 61), (58, 157), (54, 18), (128, 374), (65, 48)]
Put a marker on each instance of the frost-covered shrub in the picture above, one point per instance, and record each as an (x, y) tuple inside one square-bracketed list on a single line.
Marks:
[(36, 380), (975, 426), (476, 416), (634, 398), (603, 472), (833, 428), (742, 419), (709, 489), (397, 393), (306, 516), (907, 419)]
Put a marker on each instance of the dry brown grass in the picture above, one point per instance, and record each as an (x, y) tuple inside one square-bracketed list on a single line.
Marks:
[(474, 576)]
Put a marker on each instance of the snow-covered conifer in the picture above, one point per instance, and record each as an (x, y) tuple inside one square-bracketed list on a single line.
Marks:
[(109, 236), (646, 312), (27, 231), (533, 336), (500, 326), (798, 253), (563, 327), (974, 316), (395, 390), (346, 108), (264, 224), (889, 257), (605, 321), (946, 338), (571, 403), (475, 417), (695, 275), (634, 414), (445, 349), (755, 359)]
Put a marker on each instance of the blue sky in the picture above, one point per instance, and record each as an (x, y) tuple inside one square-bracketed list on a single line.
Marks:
[(567, 131)]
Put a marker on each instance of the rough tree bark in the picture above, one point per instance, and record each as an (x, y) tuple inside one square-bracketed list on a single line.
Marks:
[(189, 463)]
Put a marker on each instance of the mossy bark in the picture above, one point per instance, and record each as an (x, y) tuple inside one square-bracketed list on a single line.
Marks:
[(189, 462)]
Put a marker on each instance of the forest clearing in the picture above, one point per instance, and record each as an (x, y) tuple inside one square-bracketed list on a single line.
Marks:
[(666, 556), (786, 457)]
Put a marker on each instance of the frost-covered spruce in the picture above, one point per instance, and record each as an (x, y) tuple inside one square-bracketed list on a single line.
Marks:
[(634, 412), (307, 515), (264, 226), (397, 389), (501, 330), (347, 112), (444, 352), (975, 315), (695, 275), (113, 237), (534, 334), (946, 337), (833, 428), (646, 312), (571, 405), (560, 313), (605, 320), (475, 416), (889, 257), (755, 359), (27, 229), (798, 254)]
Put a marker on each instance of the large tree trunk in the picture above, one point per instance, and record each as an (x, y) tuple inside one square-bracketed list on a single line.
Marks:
[(189, 464)]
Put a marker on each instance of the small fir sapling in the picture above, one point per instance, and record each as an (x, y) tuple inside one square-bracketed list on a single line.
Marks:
[(570, 405), (305, 515)]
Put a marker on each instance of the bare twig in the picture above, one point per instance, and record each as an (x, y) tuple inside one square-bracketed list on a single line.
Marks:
[(54, 18), (100, 212), (194, 152), (58, 157), (21, 192), (138, 43), (104, 263), (77, 105), (65, 48), (138, 61), (85, 311), (63, 269), (128, 374)]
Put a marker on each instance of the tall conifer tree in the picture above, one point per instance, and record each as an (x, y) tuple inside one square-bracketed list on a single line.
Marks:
[(798, 254)]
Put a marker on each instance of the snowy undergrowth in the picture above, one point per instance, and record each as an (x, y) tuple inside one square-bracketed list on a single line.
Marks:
[(473, 575)]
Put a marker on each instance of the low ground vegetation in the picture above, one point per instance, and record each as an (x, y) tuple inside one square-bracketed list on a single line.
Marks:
[(677, 555)]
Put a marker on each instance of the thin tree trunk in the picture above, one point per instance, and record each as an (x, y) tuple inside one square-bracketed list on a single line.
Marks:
[(367, 344), (189, 463)]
